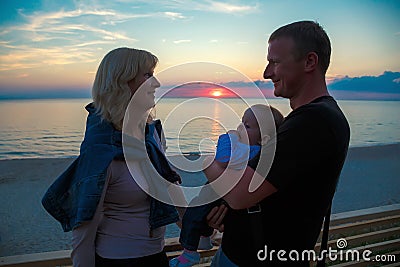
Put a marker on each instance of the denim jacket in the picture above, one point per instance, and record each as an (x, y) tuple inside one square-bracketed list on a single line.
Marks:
[(75, 194)]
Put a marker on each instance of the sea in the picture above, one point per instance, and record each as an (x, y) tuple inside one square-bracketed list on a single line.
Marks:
[(54, 128)]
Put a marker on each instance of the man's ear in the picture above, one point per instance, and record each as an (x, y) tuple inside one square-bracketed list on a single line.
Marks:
[(311, 62), (265, 139)]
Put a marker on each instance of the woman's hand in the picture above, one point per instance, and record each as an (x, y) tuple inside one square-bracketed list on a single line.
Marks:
[(215, 217)]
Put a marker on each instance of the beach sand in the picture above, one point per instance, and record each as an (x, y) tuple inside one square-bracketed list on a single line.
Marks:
[(370, 178)]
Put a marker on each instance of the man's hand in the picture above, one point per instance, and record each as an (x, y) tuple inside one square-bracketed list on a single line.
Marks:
[(215, 217)]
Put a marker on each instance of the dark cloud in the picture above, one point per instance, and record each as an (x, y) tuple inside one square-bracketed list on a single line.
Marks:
[(388, 82), (383, 87)]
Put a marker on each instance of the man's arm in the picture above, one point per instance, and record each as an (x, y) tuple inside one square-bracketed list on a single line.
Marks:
[(240, 197)]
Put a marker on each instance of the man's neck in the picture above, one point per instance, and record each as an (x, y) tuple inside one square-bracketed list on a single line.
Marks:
[(296, 103), (308, 93)]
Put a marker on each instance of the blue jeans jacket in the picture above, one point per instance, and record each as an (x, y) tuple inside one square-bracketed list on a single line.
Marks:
[(74, 195)]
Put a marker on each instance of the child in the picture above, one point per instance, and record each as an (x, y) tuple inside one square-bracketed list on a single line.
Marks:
[(234, 150)]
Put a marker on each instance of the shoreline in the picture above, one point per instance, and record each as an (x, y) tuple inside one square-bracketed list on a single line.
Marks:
[(192, 153), (370, 178)]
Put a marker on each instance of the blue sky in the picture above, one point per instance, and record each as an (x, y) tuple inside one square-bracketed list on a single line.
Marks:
[(57, 45)]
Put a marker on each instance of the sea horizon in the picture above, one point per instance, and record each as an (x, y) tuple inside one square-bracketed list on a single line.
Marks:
[(28, 131), (88, 96), (36, 147)]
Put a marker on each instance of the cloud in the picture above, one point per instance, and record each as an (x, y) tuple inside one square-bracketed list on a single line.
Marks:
[(23, 75), (384, 83), (89, 26), (259, 83), (26, 57), (382, 87), (174, 15), (230, 8), (333, 77), (90, 43), (45, 94), (182, 41), (60, 37), (40, 24)]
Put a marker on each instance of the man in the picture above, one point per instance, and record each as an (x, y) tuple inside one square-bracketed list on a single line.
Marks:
[(310, 151)]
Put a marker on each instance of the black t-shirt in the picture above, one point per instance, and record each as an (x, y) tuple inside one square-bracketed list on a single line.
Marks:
[(310, 151)]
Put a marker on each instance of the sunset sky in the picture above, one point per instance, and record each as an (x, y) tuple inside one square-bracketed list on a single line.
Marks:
[(57, 45)]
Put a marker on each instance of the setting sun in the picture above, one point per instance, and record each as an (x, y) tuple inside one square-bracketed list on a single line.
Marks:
[(216, 93)]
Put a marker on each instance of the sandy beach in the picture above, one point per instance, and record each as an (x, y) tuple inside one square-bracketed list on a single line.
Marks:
[(369, 178)]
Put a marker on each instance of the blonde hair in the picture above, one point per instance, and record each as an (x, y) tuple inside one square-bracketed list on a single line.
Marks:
[(111, 93)]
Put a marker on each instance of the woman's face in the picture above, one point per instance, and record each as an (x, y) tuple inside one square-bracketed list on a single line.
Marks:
[(140, 78), (143, 88)]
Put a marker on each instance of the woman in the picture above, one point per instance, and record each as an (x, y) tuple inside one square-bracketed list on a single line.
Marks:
[(113, 221)]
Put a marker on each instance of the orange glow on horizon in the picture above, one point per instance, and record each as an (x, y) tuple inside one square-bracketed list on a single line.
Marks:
[(216, 93), (202, 89)]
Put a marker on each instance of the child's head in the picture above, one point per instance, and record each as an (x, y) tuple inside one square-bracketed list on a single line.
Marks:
[(257, 124)]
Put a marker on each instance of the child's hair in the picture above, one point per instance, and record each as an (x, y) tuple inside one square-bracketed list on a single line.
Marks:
[(267, 116), (278, 117)]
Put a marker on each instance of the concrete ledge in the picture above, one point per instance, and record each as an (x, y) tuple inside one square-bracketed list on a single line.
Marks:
[(364, 214), (338, 221)]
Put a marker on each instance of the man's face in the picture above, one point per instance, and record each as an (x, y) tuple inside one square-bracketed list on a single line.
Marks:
[(285, 72)]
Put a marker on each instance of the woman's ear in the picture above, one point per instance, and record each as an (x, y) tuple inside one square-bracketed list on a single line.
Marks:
[(265, 139)]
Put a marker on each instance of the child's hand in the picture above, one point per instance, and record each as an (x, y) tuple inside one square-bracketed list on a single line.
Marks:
[(223, 153), (242, 134), (233, 132), (229, 149), (239, 153)]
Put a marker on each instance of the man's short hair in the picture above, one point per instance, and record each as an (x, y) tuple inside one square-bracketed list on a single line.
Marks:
[(308, 36)]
